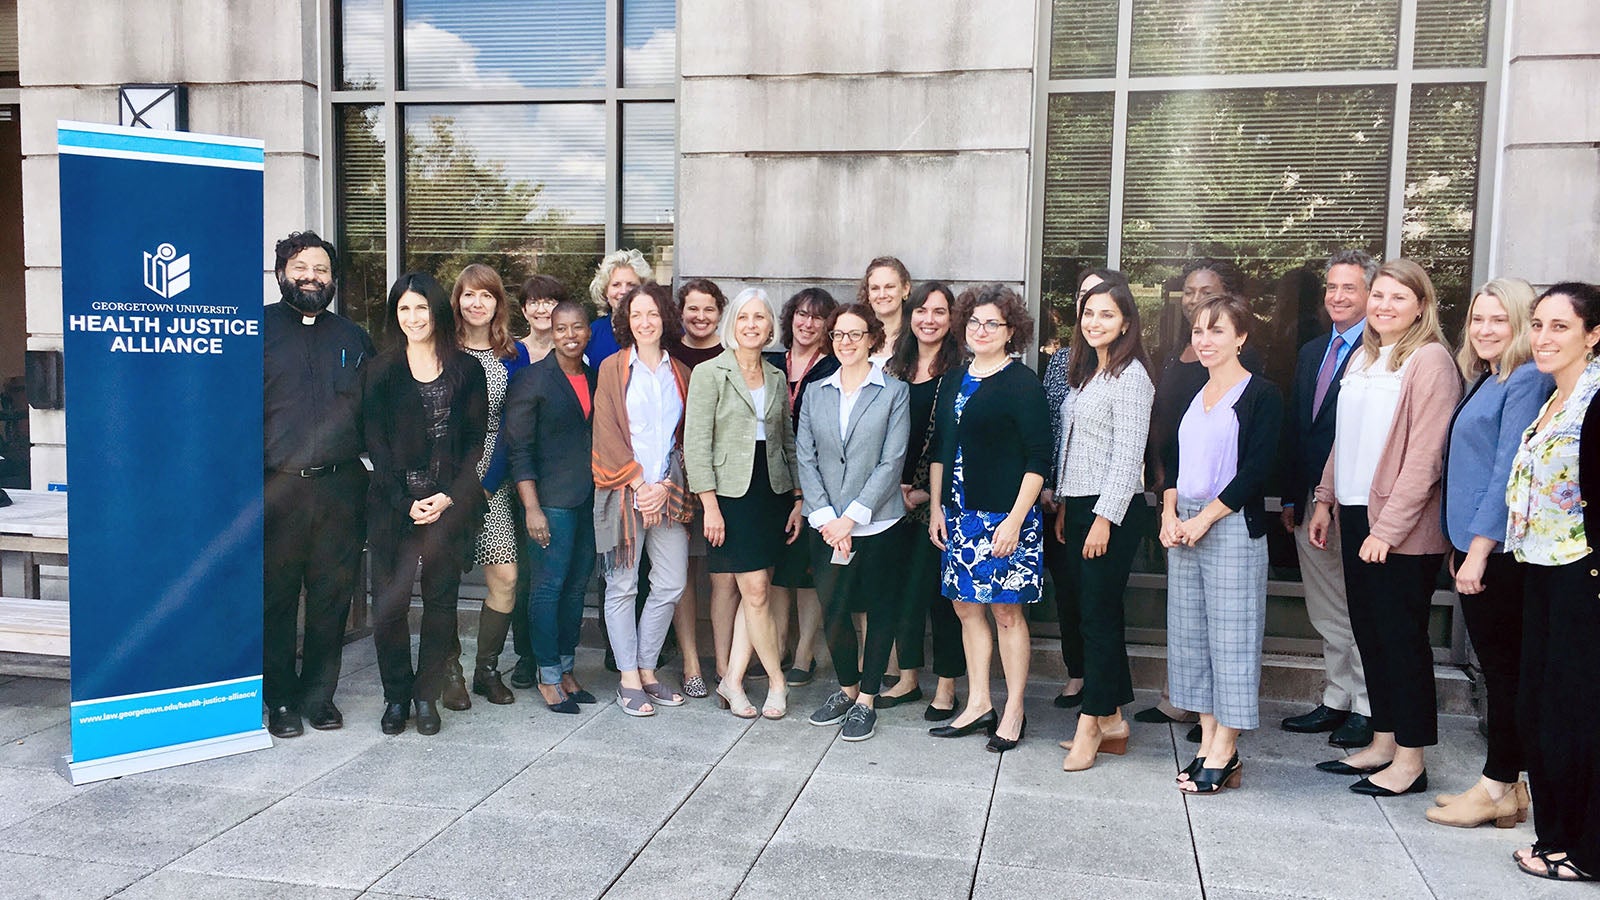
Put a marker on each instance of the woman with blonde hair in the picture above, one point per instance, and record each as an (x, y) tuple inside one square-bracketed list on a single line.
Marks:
[(1383, 475), (1505, 395), (619, 272)]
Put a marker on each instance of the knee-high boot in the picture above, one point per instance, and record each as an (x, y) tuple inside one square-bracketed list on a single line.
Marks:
[(492, 628)]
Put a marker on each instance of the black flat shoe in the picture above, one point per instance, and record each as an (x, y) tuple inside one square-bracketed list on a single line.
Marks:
[(1194, 735), (1067, 701), (325, 716), (1154, 716), (394, 717), (1212, 781), (1354, 733), (284, 722), (427, 717), (985, 722), (1365, 786), (1317, 721), (890, 701), (582, 696), (1340, 767), (525, 675), (998, 744), (935, 714)]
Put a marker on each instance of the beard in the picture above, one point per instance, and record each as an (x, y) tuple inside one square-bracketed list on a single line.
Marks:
[(308, 295)]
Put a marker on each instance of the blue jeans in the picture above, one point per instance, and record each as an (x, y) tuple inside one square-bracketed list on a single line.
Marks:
[(555, 596)]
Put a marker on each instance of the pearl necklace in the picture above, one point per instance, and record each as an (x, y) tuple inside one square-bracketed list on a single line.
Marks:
[(977, 374)]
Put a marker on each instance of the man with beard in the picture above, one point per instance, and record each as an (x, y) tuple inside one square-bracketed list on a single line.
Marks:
[(315, 484)]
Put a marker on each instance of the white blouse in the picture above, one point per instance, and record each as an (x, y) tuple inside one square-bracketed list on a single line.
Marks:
[(1368, 397)]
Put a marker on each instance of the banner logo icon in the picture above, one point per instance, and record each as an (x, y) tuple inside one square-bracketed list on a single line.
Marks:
[(165, 272)]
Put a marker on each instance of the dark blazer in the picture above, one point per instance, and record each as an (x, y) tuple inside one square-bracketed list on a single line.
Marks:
[(1259, 410), (396, 429), (1004, 434), (1307, 442), (1589, 472), (547, 437), (822, 368)]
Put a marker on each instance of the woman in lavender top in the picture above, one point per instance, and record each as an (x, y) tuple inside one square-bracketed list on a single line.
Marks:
[(1213, 522)]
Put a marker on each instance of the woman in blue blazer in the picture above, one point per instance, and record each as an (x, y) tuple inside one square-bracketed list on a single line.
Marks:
[(1505, 396)]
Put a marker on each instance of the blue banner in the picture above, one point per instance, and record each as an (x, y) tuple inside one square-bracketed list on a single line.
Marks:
[(161, 281)]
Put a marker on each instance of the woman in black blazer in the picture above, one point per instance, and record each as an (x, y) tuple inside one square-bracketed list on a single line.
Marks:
[(425, 406)]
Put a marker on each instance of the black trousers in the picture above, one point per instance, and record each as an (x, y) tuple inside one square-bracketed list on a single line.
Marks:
[(396, 550), (1559, 693), (1099, 585), (922, 602), (1494, 622), (1069, 617), (314, 531), (1389, 607), (866, 581)]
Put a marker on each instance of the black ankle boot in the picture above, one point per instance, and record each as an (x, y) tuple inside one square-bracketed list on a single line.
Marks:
[(427, 717)]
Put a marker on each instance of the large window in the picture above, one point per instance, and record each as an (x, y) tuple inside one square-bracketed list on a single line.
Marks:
[(531, 135)]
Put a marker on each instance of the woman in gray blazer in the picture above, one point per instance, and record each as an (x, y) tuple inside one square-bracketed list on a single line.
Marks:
[(741, 464), (851, 446)]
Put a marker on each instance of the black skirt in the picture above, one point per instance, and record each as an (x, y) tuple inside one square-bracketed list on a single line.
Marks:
[(753, 524)]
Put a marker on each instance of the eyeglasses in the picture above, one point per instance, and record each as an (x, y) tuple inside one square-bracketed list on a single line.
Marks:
[(808, 314), (542, 301), (989, 326), (846, 336)]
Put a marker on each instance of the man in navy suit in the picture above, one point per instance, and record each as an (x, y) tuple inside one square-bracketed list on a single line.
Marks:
[(1307, 442)]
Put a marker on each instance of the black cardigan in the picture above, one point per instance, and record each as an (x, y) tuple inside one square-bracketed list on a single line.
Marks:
[(1589, 473), (825, 365), (547, 436), (1004, 435), (1259, 410), (396, 429)]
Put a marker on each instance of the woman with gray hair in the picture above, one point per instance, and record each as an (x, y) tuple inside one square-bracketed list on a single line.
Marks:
[(739, 456), (619, 272)]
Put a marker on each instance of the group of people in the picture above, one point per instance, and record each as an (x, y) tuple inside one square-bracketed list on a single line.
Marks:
[(897, 464)]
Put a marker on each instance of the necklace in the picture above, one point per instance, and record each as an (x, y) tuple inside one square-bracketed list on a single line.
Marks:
[(1006, 361)]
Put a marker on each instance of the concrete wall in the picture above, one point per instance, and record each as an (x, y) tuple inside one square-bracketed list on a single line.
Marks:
[(251, 68), (1548, 215), (816, 136)]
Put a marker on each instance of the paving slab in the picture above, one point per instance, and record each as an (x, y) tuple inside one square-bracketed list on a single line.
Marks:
[(286, 766), (1314, 860), (998, 882), (171, 883), (18, 721), (1113, 837), (40, 749), (419, 771), (634, 794), (134, 824), (790, 869), (329, 843), (1466, 864), (913, 755), (707, 863), (734, 804), (881, 814), (27, 792), (1273, 792), (687, 738), (786, 745), (484, 856), (51, 878)]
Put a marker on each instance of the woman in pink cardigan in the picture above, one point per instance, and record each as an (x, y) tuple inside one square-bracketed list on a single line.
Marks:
[(1383, 475)]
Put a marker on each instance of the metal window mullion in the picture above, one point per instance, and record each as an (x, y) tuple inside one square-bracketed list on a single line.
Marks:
[(613, 229), (327, 143), (1119, 133), (1400, 131), (1248, 80), (1485, 242), (393, 232), (1033, 274)]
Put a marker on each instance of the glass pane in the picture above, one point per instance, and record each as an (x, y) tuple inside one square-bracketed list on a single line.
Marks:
[(504, 43), (649, 164), (360, 45), (520, 187), (1077, 201), (649, 42), (1083, 39), (1194, 37), (1451, 33), (1442, 189), (359, 201), (1272, 179)]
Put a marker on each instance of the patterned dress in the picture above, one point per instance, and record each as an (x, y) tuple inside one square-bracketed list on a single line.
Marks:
[(971, 574), (1544, 523), (497, 542)]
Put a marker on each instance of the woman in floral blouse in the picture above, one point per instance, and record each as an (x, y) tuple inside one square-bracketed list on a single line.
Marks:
[(1550, 527)]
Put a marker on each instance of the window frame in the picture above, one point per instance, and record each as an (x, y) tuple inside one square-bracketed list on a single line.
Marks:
[(391, 99)]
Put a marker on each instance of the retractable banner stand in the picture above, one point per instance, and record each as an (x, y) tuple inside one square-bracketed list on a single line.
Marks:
[(161, 295)]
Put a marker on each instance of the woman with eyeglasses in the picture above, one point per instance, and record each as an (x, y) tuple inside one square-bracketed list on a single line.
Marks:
[(851, 444), (991, 450), (807, 359), (1105, 420), (926, 351), (425, 410)]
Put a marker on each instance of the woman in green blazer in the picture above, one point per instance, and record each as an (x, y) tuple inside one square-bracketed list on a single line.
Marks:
[(738, 448)]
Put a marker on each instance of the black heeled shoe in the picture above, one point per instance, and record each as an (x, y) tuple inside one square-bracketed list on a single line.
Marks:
[(427, 717), (935, 714), (1187, 773), (1212, 781), (1340, 767), (1366, 787), (394, 717), (998, 744), (1068, 701), (985, 723)]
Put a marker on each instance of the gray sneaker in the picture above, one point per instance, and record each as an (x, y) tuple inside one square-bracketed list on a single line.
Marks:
[(833, 710), (859, 723)]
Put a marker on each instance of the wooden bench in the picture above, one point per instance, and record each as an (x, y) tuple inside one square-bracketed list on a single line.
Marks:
[(34, 626)]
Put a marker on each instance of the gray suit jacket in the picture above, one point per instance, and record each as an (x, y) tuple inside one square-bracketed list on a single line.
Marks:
[(863, 467)]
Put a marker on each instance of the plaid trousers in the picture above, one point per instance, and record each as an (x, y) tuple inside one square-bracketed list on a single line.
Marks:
[(1216, 617)]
